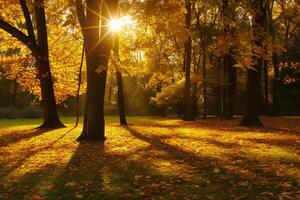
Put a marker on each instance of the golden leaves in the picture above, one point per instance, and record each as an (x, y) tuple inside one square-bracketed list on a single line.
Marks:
[(155, 158)]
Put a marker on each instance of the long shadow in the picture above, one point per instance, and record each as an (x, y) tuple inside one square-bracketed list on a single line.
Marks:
[(211, 124), (81, 174), (205, 167), (94, 173), (31, 180), (28, 154), (277, 142), (97, 172), (17, 136)]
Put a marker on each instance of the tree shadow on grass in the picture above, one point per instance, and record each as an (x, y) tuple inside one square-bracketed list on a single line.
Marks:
[(220, 174), (26, 186), (17, 136), (95, 171), (291, 126), (28, 154)]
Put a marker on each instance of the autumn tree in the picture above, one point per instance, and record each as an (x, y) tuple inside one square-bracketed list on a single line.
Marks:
[(227, 11), (251, 117), (119, 76), (94, 16), (38, 45), (188, 105)]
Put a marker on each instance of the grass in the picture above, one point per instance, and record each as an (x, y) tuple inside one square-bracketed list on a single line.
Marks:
[(153, 158)]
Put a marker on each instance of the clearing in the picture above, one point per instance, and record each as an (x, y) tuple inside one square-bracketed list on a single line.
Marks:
[(154, 158)]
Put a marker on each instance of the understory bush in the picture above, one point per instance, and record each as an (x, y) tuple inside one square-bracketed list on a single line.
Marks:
[(13, 112)]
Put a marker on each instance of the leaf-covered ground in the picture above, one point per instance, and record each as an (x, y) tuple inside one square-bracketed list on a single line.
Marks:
[(153, 158)]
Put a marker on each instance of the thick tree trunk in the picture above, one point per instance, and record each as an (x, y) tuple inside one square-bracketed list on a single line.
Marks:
[(51, 119), (188, 104), (228, 62), (98, 42), (93, 125), (251, 117)]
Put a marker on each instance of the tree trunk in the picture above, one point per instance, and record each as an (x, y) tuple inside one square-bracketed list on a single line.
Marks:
[(231, 86), (179, 107), (266, 87), (93, 125), (276, 80), (251, 117), (121, 103), (228, 62), (204, 81), (51, 119), (218, 104), (195, 100), (218, 88), (224, 91), (188, 104), (276, 84), (98, 43)]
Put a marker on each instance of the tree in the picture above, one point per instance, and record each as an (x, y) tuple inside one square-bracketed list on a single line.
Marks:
[(98, 41), (228, 61), (251, 116), (188, 105), (119, 76), (39, 48)]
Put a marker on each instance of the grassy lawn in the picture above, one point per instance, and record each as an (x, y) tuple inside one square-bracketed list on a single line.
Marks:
[(153, 158)]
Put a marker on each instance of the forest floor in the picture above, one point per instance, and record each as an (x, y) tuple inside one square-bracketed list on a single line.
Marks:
[(153, 158)]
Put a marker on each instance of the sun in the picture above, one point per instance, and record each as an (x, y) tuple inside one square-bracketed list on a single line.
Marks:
[(115, 25)]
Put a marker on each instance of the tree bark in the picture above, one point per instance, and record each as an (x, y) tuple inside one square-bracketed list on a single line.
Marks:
[(251, 116), (204, 80), (228, 62), (51, 119), (276, 84), (188, 104), (266, 88), (231, 86), (121, 102), (98, 42)]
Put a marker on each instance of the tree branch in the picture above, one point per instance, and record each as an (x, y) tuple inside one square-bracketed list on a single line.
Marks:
[(19, 35), (80, 13), (29, 24)]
